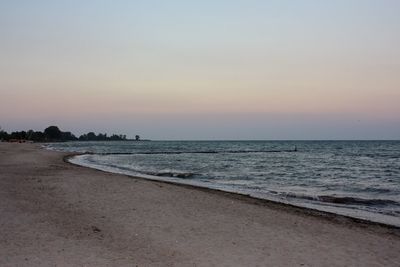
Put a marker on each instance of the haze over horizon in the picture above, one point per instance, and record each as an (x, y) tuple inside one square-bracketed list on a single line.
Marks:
[(203, 70)]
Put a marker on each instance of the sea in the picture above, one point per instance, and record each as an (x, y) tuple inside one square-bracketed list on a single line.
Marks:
[(359, 179)]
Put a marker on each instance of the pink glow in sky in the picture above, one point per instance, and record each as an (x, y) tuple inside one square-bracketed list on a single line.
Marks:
[(179, 70)]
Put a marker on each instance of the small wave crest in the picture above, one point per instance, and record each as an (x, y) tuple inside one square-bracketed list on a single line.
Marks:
[(90, 162), (195, 152), (184, 175), (343, 200), (357, 201)]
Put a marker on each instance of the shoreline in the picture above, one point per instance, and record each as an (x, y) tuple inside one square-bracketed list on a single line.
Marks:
[(58, 213), (330, 215)]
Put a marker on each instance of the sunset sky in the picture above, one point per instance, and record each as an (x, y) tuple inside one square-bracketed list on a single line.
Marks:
[(203, 69)]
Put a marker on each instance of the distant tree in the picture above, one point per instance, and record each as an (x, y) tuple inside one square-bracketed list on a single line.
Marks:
[(52, 133), (38, 137), (4, 135), (29, 135), (68, 136), (91, 136), (18, 135), (137, 137), (116, 137), (101, 137)]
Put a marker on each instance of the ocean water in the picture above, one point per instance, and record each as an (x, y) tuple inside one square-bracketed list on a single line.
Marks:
[(354, 178)]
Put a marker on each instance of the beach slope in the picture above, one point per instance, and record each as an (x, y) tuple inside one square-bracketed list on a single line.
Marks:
[(53, 213)]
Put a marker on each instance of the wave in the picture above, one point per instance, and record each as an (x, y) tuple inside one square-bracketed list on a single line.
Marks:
[(183, 175), (343, 200), (162, 173), (193, 152)]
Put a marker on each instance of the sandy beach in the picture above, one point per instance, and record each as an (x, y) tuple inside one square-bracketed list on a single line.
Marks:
[(53, 213)]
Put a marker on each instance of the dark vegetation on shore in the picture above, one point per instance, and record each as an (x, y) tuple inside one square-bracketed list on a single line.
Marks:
[(54, 134)]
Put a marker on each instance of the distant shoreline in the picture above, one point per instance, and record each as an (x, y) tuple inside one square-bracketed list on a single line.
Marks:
[(60, 141), (54, 134)]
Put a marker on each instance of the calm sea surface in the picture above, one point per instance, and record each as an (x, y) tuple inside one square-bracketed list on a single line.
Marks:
[(354, 178)]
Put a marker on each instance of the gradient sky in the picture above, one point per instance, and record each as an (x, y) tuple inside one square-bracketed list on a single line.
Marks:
[(203, 69)]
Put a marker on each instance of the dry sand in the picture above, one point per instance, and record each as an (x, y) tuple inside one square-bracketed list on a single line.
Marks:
[(53, 213)]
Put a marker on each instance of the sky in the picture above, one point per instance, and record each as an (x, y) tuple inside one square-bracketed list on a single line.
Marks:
[(199, 70)]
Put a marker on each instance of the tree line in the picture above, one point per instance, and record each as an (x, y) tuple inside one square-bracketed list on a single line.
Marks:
[(54, 134)]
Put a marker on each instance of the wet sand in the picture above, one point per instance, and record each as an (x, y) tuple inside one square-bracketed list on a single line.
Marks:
[(53, 213)]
